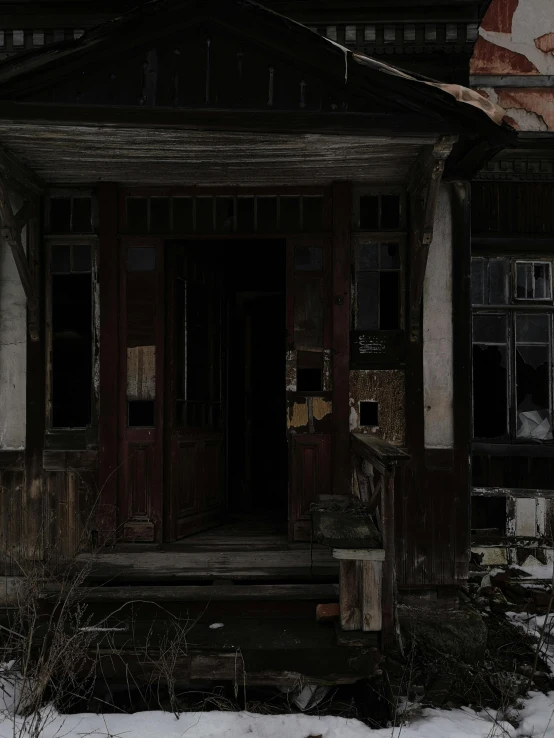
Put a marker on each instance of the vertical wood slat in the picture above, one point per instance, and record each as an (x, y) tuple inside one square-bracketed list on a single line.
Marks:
[(349, 595), (371, 595), (108, 263), (342, 218), (389, 569)]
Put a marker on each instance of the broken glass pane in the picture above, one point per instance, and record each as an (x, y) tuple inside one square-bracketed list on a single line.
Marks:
[(532, 329), (489, 329), (490, 395), (477, 281), (533, 392), (543, 286), (390, 256)]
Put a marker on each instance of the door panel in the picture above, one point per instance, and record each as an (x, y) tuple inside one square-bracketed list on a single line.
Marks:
[(194, 400), (311, 476), (140, 410), (309, 377)]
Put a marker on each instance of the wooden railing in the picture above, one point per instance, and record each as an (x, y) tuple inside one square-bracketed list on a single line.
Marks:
[(367, 575)]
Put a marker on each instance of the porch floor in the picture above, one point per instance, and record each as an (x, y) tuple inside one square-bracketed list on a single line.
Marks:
[(246, 549)]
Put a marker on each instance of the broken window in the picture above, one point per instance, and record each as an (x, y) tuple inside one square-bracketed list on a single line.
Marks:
[(490, 376), (71, 335), (512, 347), (533, 280), (533, 334), (377, 285)]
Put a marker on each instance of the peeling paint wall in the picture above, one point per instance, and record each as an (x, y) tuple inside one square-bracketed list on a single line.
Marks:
[(386, 387), (13, 351), (438, 332), (513, 61)]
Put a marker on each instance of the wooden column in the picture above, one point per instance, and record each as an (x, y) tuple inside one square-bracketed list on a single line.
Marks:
[(389, 568), (342, 218), (108, 276), (33, 493), (461, 315)]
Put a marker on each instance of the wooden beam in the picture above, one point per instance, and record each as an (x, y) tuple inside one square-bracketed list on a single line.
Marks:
[(423, 187), (20, 177), (10, 229), (342, 208)]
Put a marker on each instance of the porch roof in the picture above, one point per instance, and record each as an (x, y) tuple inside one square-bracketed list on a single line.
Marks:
[(154, 96)]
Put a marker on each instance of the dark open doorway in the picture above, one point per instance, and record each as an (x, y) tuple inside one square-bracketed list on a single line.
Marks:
[(257, 451), (226, 406)]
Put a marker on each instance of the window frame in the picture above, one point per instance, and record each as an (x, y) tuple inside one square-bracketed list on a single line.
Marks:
[(532, 300), (91, 241), (511, 310), (380, 237)]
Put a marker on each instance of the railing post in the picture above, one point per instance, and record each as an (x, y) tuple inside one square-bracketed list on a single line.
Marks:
[(389, 568)]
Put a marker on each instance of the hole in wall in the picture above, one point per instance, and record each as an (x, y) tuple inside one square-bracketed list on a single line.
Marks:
[(369, 413)]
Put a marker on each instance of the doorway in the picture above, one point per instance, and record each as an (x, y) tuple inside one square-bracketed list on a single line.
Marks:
[(225, 405)]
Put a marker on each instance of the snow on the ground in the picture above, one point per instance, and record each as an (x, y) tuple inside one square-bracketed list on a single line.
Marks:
[(432, 724)]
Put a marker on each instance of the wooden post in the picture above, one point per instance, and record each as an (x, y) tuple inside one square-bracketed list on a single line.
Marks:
[(360, 589), (108, 274), (342, 218), (349, 596), (389, 569), (372, 597)]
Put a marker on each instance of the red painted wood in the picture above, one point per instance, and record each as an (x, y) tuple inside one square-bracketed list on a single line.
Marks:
[(195, 452), (140, 509), (310, 477), (108, 266), (342, 218)]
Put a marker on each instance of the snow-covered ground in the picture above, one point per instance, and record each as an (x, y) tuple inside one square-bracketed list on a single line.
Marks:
[(432, 724), (535, 719)]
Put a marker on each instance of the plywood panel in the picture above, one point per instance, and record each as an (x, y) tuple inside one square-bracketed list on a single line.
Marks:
[(386, 387)]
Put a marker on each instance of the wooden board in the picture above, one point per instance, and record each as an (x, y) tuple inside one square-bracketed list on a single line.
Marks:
[(162, 566)]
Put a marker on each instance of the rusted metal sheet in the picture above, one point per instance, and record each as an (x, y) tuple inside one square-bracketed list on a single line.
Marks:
[(386, 388), (516, 41)]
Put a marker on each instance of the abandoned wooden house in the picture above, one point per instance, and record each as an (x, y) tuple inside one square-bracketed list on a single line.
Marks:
[(236, 310)]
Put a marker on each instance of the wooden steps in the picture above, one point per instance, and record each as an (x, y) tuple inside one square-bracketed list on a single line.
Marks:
[(161, 567)]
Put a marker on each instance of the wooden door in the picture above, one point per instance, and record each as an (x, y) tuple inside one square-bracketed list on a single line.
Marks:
[(194, 400), (141, 390), (309, 377)]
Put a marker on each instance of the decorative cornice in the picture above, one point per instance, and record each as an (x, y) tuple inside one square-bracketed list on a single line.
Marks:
[(518, 168)]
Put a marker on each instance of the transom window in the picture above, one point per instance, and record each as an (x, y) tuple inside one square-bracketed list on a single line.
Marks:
[(512, 349)]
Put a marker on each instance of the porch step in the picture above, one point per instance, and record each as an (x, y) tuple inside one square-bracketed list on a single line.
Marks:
[(205, 593), (179, 568)]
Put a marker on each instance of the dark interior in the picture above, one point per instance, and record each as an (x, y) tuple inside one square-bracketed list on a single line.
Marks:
[(256, 417)]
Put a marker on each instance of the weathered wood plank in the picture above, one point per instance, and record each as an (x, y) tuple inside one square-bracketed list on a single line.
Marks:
[(374, 449), (353, 554), (349, 594), (372, 583), (216, 593)]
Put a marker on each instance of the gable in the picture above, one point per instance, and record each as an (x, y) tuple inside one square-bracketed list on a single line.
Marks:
[(206, 65), (229, 55)]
